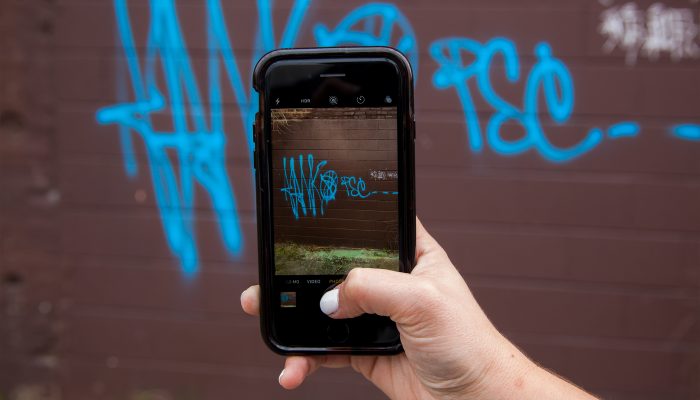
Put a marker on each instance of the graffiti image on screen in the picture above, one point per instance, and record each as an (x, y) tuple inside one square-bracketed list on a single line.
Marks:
[(335, 185)]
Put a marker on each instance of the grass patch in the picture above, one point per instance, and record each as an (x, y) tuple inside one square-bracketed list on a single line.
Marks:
[(299, 259)]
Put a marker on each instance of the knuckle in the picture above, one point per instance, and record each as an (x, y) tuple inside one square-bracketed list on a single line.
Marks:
[(355, 282), (429, 295)]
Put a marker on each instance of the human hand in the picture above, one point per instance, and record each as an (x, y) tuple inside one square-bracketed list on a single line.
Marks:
[(452, 351)]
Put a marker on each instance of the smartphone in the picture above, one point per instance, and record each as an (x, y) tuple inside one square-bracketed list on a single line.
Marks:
[(334, 162)]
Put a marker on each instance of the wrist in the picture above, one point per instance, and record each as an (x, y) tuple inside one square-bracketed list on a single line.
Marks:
[(512, 375), (505, 376)]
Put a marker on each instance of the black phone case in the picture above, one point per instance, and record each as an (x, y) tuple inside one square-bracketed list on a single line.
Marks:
[(407, 238)]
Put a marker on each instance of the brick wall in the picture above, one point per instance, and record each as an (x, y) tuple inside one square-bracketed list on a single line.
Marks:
[(120, 265), (32, 277)]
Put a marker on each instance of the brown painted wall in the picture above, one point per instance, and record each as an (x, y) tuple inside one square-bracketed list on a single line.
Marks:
[(591, 265)]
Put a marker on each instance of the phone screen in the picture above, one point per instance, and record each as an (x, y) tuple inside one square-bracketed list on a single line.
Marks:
[(335, 184), (335, 187)]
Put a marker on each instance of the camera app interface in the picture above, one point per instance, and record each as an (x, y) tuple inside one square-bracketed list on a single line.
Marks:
[(335, 188)]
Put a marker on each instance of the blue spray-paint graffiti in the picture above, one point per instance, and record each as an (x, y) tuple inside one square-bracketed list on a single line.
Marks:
[(200, 149), (312, 190), (302, 189), (687, 132), (197, 139), (374, 24), (624, 129), (357, 188), (549, 77), (192, 152)]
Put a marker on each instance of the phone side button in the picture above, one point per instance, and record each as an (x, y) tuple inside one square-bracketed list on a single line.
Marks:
[(255, 148), (338, 332)]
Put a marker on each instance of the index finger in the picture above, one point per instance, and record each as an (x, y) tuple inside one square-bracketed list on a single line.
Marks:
[(250, 300)]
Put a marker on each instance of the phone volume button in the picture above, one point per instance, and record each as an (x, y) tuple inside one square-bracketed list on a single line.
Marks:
[(258, 135), (256, 126)]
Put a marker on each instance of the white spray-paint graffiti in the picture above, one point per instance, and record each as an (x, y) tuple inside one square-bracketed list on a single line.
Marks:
[(660, 30), (383, 175)]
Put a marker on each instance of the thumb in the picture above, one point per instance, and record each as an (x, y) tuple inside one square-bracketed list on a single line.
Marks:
[(397, 295)]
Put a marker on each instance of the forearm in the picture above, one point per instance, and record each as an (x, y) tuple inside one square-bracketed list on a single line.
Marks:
[(514, 376)]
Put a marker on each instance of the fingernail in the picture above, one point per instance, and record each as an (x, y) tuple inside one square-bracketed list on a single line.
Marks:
[(329, 302), (279, 379)]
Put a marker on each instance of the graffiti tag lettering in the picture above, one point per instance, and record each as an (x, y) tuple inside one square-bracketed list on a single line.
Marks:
[(198, 138), (307, 188), (549, 77), (192, 153), (662, 30)]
